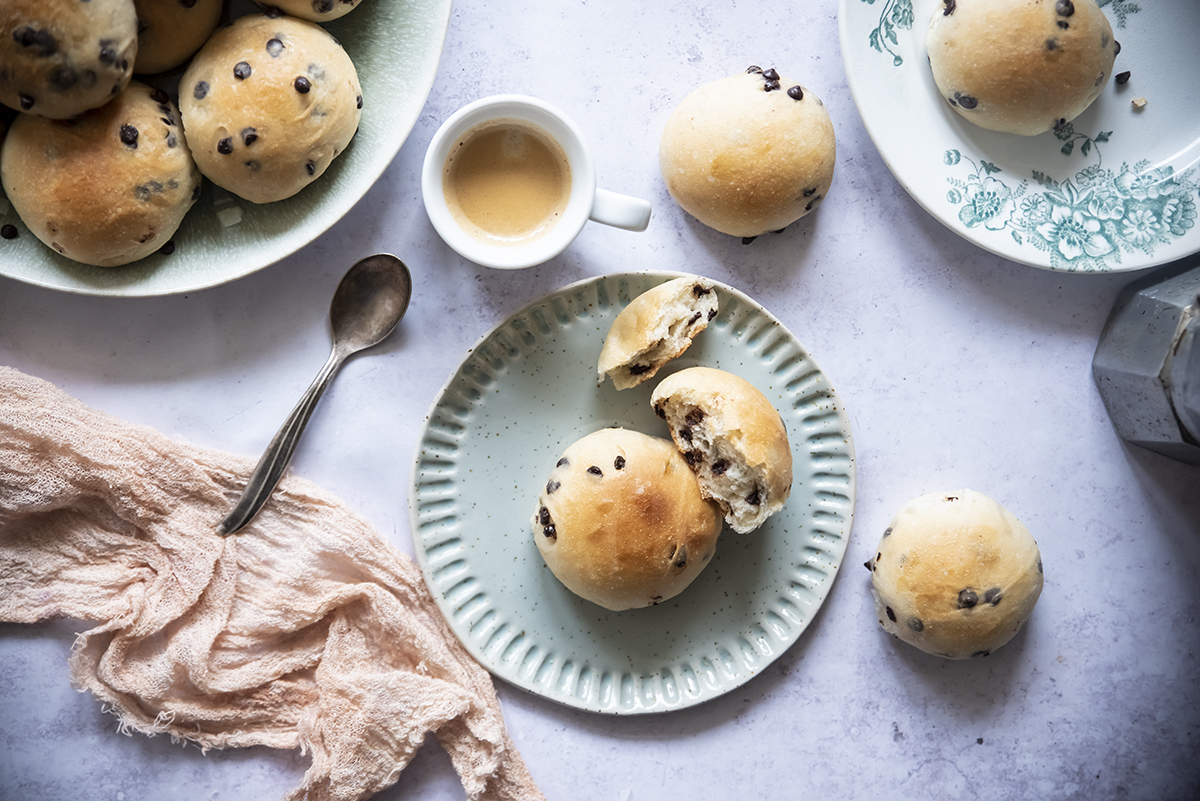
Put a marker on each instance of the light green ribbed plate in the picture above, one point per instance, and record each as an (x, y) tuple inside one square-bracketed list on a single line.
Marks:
[(395, 46), (526, 391)]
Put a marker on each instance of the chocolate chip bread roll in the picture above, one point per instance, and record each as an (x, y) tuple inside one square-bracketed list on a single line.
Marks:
[(621, 521), (108, 187), (267, 104), (748, 154), (312, 10), (171, 31), (59, 58), (955, 575), (1020, 66), (654, 328), (734, 440)]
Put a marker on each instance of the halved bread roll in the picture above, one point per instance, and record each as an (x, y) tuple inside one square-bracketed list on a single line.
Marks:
[(654, 328), (734, 440)]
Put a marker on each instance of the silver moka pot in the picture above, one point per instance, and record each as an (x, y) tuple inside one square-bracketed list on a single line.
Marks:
[(1147, 364)]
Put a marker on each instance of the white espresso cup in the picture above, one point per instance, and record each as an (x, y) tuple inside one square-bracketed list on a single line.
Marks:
[(583, 200)]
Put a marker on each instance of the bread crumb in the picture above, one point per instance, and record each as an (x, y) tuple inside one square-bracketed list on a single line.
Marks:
[(1139, 103)]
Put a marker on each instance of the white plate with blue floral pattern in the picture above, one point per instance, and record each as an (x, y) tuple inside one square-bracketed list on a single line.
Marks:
[(1115, 189), (524, 393)]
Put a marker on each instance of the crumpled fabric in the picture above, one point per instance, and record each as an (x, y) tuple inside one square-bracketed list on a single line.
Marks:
[(304, 630)]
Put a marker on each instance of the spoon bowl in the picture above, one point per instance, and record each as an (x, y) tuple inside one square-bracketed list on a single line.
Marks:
[(367, 306)]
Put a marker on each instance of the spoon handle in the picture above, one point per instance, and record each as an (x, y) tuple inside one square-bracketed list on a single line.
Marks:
[(275, 459)]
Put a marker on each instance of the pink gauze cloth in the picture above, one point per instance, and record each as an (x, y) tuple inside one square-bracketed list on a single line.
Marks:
[(305, 630)]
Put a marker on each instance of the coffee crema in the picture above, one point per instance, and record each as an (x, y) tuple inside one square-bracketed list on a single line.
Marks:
[(506, 182)]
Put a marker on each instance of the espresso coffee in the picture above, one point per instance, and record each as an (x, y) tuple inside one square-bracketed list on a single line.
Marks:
[(506, 182)]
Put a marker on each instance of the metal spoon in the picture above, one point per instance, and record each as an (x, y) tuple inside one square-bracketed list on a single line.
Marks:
[(368, 303)]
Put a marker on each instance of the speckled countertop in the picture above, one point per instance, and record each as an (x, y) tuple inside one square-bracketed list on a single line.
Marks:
[(958, 369)]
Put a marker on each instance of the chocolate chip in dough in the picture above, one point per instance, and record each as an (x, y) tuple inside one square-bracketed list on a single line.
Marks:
[(550, 532), (796, 93), (967, 598), (915, 624), (595, 471), (619, 463), (1065, 8), (225, 146), (966, 101), (948, 7), (544, 516), (891, 615), (44, 41), (274, 47), (551, 486), (26, 101), (311, 167), (303, 85), (993, 596), (249, 136), (241, 70), (719, 467), (755, 497), (200, 90), (129, 136)]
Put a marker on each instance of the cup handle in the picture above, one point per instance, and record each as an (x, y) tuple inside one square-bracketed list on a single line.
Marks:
[(620, 211)]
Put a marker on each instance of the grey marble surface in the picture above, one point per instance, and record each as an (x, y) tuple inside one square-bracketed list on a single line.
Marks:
[(959, 369)]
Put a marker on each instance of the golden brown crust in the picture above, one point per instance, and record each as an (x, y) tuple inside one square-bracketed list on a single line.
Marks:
[(170, 32), (621, 521), (59, 58), (107, 188), (956, 575), (654, 328), (266, 135), (715, 417), (1020, 66), (312, 10), (744, 160)]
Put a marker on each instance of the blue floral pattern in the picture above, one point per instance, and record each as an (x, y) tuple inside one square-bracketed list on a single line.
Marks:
[(1084, 223)]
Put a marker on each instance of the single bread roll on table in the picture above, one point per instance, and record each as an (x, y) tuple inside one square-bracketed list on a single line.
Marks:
[(748, 154), (955, 575)]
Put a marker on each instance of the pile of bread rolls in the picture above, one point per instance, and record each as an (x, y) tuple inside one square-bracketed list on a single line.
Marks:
[(103, 167), (628, 519)]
